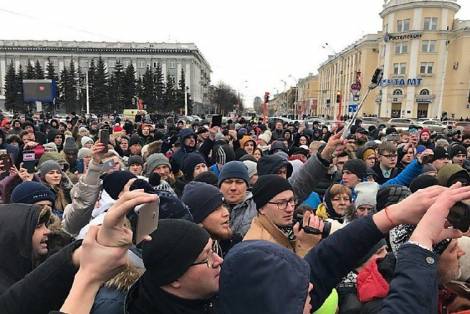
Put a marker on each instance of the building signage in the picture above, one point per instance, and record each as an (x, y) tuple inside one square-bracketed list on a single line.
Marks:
[(401, 82), (390, 37)]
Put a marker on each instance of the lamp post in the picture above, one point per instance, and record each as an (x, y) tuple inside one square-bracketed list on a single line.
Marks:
[(186, 101), (295, 96)]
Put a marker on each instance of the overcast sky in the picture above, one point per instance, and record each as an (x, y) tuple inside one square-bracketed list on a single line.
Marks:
[(251, 45)]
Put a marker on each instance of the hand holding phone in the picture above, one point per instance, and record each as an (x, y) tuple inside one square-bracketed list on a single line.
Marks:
[(147, 220), (104, 139)]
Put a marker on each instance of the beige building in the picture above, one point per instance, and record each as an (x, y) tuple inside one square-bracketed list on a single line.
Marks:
[(354, 65), (425, 56), (307, 95)]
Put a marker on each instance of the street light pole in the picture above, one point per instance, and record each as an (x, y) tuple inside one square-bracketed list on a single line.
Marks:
[(87, 94), (186, 101)]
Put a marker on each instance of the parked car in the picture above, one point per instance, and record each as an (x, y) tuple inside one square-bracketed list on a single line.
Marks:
[(369, 121), (400, 123), (433, 126)]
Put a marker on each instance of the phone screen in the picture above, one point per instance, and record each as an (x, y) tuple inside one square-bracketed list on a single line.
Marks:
[(104, 139), (216, 120)]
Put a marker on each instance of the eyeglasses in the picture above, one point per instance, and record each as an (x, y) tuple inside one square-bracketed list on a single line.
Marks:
[(283, 204), (209, 261), (391, 156)]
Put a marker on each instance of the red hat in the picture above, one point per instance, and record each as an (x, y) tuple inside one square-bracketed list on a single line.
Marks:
[(426, 130)]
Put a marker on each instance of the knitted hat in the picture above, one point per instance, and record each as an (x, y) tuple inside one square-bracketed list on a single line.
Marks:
[(267, 187), (266, 137), (270, 164), (251, 165), (155, 160), (366, 193), (86, 140), (114, 182), (50, 147), (278, 145), (456, 150), (202, 199), (70, 147), (30, 192), (248, 157), (184, 133), (134, 140), (367, 153), (135, 160), (440, 153), (425, 130), (234, 170), (190, 162), (174, 247), (207, 177), (451, 173), (47, 166), (84, 152), (422, 182), (428, 168), (391, 194), (356, 166)]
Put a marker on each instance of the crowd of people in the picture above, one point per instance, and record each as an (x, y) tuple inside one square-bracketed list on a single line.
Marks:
[(254, 217)]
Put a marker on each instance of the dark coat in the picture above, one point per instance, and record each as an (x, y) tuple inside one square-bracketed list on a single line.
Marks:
[(380, 179)]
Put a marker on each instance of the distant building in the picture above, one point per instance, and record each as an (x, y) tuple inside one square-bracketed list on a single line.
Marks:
[(424, 53), (172, 56)]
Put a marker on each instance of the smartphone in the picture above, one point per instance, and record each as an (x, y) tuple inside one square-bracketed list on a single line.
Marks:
[(5, 158), (216, 120), (147, 220), (104, 139), (108, 165), (80, 166)]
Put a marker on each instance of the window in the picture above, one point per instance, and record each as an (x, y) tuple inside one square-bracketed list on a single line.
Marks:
[(401, 48), (426, 68), (126, 63), (397, 92), (403, 25), (111, 63), (424, 92), (428, 46), (172, 65), (142, 64), (399, 68), (430, 23)]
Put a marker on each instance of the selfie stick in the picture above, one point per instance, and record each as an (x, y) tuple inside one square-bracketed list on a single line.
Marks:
[(376, 79)]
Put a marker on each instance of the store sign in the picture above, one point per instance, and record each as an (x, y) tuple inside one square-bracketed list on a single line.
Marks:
[(401, 82), (391, 37)]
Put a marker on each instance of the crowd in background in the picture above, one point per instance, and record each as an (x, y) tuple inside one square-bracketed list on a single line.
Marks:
[(254, 217)]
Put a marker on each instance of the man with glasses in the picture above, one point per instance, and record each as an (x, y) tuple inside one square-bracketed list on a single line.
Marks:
[(182, 271), (387, 161), (275, 202)]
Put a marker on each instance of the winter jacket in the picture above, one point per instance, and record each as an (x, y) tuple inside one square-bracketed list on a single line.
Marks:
[(380, 179), (242, 214), (312, 177), (43, 289), (405, 177), (84, 196), (263, 229)]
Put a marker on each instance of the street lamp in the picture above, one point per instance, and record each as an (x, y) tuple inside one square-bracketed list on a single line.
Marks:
[(186, 101)]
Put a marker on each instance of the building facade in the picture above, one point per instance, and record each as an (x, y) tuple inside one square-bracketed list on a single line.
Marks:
[(424, 53), (173, 57), (307, 95)]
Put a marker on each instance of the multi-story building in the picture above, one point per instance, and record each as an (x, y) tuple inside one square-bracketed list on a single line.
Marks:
[(173, 57), (355, 64), (424, 53), (307, 95)]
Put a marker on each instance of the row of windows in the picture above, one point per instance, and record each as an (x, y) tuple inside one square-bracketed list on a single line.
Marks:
[(399, 92), (427, 46), (430, 24), (424, 68)]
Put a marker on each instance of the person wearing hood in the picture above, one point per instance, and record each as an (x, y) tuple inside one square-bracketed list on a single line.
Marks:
[(54, 136), (233, 183), (188, 145), (274, 164), (193, 164), (275, 203), (336, 201), (247, 146), (182, 272), (16, 129), (23, 240)]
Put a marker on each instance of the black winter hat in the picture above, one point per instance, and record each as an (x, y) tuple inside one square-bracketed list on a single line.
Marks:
[(234, 170), (202, 199), (456, 150), (30, 192), (422, 182), (391, 194), (189, 162), (174, 247), (278, 145), (356, 166), (270, 164), (135, 139), (440, 153), (267, 187), (207, 177), (114, 182)]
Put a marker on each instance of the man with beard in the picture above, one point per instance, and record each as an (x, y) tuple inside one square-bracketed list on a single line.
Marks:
[(206, 204)]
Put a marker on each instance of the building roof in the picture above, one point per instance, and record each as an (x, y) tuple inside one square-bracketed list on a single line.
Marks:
[(103, 46)]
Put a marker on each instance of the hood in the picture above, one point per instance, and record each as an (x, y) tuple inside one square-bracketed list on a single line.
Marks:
[(52, 134), (451, 173), (270, 164), (248, 286), (17, 225)]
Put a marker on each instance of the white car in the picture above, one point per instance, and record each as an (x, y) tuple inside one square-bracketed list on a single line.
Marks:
[(433, 125)]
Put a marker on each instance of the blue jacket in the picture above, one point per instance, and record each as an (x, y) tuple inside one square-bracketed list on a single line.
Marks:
[(405, 177)]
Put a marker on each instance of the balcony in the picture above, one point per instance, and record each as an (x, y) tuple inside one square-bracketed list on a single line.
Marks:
[(425, 99)]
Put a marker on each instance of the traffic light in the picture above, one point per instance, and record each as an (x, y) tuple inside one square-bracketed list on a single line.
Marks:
[(266, 97), (338, 97)]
